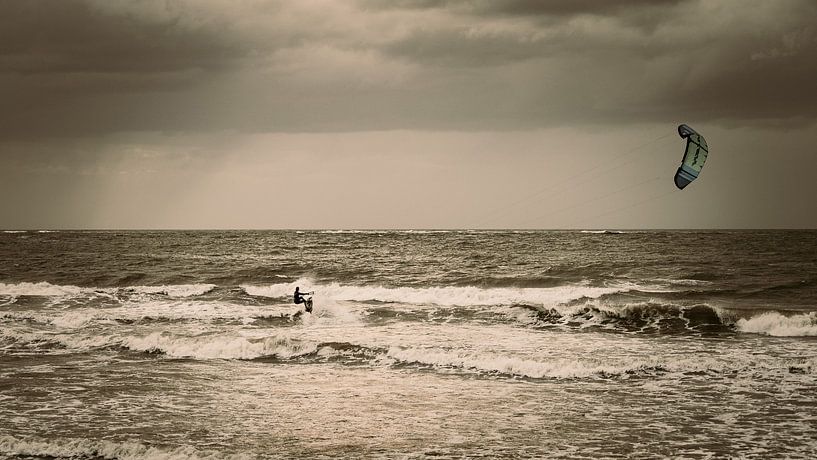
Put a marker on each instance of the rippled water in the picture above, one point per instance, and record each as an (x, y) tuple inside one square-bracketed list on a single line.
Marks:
[(421, 344)]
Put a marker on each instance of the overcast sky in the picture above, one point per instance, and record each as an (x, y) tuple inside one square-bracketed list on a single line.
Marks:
[(406, 113)]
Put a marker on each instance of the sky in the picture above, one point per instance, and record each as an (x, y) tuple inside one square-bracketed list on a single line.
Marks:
[(203, 114)]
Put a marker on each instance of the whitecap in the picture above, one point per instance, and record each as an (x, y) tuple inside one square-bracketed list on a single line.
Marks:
[(87, 448), (776, 324), (443, 295)]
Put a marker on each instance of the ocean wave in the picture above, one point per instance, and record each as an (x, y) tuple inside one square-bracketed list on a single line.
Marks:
[(777, 324), (219, 346), (65, 319), (642, 317), (446, 296), (206, 346), (502, 365), (667, 318), (498, 364), (16, 343), (87, 448), (604, 232), (174, 290), (73, 319), (354, 232), (46, 289), (43, 289), (532, 281), (6, 299), (645, 317), (682, 282), (147, 311), (638, 316)]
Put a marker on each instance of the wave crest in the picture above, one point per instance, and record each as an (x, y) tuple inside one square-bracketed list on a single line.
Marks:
[(46, 289), (442, 296), (219, 346), (776, 324), (520, 367), (86, 448)]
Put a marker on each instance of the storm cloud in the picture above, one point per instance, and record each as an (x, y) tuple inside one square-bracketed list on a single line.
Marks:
[(111, 97), (86, 67)]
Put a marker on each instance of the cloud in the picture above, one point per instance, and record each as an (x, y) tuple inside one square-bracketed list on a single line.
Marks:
[(522, 7), (632, 61), (91, 68), (40, 37)]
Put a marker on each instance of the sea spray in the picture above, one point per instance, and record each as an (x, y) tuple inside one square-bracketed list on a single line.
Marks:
[(777, 324)]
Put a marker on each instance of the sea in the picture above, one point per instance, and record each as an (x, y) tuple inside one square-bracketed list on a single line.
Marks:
[(421, 344)]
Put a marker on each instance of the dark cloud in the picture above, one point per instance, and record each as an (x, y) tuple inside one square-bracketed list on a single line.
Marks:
[(73, 36), (89, 68), (761, 79), (699, 60), (524, 7), (565, 7), (78, 67)]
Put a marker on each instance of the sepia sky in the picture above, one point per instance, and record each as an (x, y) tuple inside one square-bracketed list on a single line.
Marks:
[(406, 113)]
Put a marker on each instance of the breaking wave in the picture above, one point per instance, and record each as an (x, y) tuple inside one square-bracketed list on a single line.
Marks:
[(559, 368), (90, 449), (445, 296), (776, 324), (642, 316), (514, 366), (219, 346), (604, 232), (205, 346), (45, 289)]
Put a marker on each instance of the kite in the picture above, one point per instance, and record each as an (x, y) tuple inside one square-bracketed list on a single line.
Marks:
[(694, 156)]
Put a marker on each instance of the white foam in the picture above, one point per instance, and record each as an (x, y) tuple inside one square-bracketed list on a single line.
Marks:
[(86, 448), (66, 342), (46, 289), (443, 296), (773, 323), (521, 315), (219, 346), (71, 319), (40, 289), (7, 300), (14, 231), (138, 308), (681, 282), (511, 365), (353, 232), (560, 366), (602, 311), (427, 232), (202, 346), (175, 290), (183, 309)]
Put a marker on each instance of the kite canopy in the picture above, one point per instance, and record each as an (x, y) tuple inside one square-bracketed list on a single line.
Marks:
[(694, 157)]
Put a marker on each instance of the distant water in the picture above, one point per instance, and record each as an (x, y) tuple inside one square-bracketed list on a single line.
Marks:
[(446, 344)]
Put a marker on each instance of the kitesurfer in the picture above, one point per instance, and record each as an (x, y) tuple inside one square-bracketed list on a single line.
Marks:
[(300, 299)]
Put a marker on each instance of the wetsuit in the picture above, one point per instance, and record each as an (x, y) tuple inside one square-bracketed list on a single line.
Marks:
[(299, 298)]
